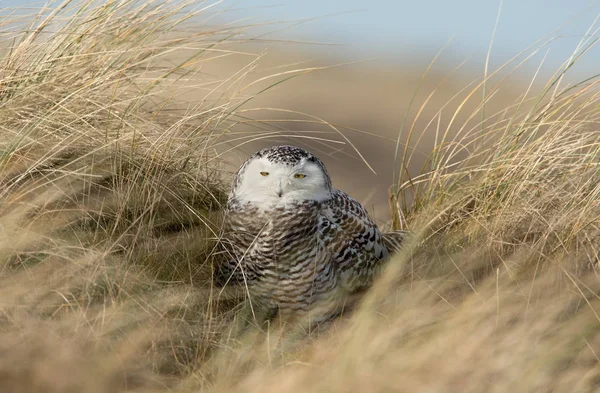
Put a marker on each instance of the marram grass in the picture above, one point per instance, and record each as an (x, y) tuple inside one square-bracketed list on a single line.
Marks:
[(109, 215)]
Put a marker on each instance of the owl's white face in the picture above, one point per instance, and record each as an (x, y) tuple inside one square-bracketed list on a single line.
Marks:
[(267, 183)]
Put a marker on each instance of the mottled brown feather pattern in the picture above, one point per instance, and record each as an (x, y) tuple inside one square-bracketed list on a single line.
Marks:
[(305, 253)]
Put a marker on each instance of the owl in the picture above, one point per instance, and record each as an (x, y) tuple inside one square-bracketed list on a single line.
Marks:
[(297, 244)]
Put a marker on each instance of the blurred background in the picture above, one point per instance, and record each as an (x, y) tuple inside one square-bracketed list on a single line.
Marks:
[(390, 45), (404, 31), (364, 75)]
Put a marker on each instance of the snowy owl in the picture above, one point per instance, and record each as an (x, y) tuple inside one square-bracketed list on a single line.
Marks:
[(293, 240)]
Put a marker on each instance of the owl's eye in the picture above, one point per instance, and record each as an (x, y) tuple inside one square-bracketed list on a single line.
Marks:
[(299, 175), (265, 173)]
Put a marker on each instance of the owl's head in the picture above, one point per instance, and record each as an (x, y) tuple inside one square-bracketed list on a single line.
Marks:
[(281, 174)]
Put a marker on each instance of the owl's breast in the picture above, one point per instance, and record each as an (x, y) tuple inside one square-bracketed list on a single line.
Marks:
[(281, 227), (284, 246), (281, 238)]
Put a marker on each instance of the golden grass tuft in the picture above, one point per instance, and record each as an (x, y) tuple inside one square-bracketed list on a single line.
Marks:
[(109, 210)]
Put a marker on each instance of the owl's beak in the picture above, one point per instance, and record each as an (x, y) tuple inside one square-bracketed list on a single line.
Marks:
[(279, 185)]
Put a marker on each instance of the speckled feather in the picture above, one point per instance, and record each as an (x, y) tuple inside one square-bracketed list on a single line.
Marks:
[(304, 253)]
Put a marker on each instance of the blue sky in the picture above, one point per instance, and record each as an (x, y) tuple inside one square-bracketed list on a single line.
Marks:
[(391, 30), (394, 29)]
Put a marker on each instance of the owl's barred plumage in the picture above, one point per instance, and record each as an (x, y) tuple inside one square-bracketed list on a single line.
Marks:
[(297, 243)]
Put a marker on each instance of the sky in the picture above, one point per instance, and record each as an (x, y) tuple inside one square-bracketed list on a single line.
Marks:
[(399, 30)]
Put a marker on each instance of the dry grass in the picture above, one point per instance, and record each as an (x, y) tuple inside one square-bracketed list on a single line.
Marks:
[(110, 206)]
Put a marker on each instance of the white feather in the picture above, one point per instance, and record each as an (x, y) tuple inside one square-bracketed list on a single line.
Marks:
[(280, 186)]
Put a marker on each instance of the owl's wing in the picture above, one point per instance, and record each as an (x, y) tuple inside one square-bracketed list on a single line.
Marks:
[(353, 239), (394, 240)]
